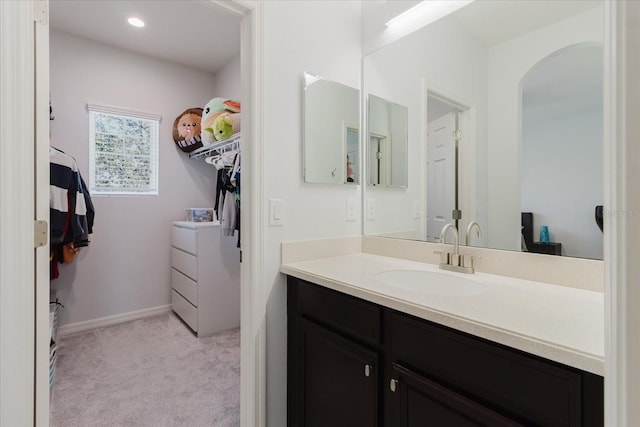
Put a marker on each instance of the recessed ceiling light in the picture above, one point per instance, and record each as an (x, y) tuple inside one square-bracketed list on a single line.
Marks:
[(136, 22)]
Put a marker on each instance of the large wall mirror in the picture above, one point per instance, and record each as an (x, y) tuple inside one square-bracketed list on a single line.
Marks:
[(331, 131), (504, 105)]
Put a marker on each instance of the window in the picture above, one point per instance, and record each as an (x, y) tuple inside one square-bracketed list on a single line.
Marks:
[(123, 151)]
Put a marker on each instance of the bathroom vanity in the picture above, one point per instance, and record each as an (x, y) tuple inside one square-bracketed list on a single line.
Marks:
[(364, 350)]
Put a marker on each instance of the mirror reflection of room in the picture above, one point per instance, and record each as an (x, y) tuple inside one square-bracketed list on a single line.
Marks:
[(493, 66), (331, 131), (562, 125), (387, 143)]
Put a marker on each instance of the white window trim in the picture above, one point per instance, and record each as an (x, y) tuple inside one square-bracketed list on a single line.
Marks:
[(123, 112), (106, 109)]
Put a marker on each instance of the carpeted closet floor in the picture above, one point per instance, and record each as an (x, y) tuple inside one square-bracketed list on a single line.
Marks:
[(148, 372)]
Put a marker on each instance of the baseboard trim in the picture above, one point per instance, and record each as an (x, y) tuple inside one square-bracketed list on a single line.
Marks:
[(88, 325)]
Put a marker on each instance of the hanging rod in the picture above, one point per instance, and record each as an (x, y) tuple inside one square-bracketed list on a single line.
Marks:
[(232, 143)]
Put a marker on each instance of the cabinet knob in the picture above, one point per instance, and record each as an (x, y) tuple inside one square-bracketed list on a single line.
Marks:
[(367, 370), (393, 384)]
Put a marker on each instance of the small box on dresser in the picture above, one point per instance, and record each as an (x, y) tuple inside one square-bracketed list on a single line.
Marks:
[(205, 277)]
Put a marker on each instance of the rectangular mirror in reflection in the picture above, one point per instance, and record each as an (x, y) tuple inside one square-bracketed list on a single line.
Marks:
[(505, 119), (387, 143), (331, 131)]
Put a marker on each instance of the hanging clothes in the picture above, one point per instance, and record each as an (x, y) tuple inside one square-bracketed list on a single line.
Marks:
[(235, 179), (227, 203), (71, 210)]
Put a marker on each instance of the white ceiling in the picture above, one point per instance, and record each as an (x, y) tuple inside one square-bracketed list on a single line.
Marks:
[(199, 34), (495, 21)]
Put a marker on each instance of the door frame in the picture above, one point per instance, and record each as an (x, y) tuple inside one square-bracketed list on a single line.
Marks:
[(466, 167), (622, 212), (19, 409), (252, 296)]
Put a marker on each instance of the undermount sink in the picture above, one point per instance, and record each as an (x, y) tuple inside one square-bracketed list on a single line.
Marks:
[(430, 282)]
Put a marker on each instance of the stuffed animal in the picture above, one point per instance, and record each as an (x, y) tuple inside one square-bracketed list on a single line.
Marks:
[(211, 111), (225, 125), (186, 129)]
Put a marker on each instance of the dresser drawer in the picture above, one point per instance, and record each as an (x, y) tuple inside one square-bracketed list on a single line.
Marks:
[(185, 239), (185, 263), (185, 310), (184, 286)]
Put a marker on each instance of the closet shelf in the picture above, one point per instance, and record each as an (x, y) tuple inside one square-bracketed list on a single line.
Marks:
[(232, 143)]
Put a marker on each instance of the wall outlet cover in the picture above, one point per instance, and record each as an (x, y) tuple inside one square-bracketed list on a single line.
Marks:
[(351, 209), (371, 209)]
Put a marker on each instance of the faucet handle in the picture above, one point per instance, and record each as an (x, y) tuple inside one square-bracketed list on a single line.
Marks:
[(444, 256), (467, 260)]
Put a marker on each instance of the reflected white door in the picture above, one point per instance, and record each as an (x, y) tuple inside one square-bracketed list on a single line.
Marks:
[(440, 174)]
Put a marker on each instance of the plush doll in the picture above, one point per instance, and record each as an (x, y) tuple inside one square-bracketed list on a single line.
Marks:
[(186, 130), (213, 109), (225, 125)]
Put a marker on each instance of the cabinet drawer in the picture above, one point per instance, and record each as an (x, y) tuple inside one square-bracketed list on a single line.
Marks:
[(185, 310), (184, 286), (185, 263), (528, 388), (185, 239), (343, 313)]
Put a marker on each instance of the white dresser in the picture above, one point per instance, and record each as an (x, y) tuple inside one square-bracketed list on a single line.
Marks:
[(205, 277)]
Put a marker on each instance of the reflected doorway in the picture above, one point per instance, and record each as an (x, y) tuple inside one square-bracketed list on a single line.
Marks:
[(444, 135)]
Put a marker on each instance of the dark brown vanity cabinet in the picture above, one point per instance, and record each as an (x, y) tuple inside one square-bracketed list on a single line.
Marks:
[(354, 363), (334, 364)]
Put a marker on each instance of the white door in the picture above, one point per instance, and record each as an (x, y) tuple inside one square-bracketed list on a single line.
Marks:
[(24, 280), (440, 174)]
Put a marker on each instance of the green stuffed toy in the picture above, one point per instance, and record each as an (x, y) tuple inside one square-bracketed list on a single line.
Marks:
[(215, 108), (225, 126)]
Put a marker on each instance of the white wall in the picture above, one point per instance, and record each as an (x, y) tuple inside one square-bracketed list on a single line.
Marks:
[(322, 38), (508, 63), (560, 198), (402, 73), (127, 267), (228, 80)]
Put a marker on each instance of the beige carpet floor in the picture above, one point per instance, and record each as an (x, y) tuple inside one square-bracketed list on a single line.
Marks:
[(148, 372)]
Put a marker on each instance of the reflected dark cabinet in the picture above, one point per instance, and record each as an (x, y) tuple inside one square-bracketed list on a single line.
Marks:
[(354, 363), (551, 248)]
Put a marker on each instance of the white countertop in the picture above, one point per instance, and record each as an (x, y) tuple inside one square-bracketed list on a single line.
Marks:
[(559, 323)]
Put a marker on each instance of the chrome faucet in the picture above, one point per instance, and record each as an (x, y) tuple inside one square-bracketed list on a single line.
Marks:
[(453, 258), (469, 228), (453, 261)]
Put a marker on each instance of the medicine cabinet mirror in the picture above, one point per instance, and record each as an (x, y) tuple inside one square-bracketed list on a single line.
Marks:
[(505, 113), (331, 131)]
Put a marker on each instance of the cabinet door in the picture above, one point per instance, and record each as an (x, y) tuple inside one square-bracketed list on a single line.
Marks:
[(336, 380), (417, 401)]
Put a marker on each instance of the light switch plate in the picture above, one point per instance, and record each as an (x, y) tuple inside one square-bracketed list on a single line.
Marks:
[(371, 209), (416, 209), (276, 212), (351, 209)]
